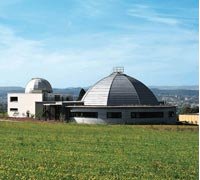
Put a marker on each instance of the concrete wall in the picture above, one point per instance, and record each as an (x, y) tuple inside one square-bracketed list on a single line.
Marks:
[(126, 116), (190, 118), (26, 102)]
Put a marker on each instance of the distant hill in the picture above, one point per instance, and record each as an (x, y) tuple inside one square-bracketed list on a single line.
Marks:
[(11, 88), (5, 90), (73, 91), (157, 90), (194, 87)]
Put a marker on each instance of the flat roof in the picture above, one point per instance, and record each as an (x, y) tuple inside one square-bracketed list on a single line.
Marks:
[(54, 103)]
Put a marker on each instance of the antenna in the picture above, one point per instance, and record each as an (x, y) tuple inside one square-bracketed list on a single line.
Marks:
[(118, 69)]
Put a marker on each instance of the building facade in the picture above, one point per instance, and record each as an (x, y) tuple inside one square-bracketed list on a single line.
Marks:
[(115, 99), (38, 91), (23, 104), (121, 99)]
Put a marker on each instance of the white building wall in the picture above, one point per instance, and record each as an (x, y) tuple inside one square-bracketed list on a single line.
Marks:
[(26, 102)]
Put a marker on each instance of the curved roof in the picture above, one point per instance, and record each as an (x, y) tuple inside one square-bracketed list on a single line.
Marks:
[(119, 89), (38, 85)]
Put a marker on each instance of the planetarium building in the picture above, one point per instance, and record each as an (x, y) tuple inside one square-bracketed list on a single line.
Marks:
[(115, 99), (121, 99)]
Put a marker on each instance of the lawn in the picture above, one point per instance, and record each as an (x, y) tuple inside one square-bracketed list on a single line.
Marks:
[(36, 150)]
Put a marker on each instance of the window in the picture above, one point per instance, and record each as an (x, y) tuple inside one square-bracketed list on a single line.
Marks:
[(57, 98), (147, 114), (84, 114), (134, 115), (171, 114), (13, 99), (13, 109), (114, 115)]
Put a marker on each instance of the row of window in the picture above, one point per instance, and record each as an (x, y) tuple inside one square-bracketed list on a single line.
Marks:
[(119, 114)]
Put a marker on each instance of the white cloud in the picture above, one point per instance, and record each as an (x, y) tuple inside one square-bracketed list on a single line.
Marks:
[(150, 14), (145, 56)]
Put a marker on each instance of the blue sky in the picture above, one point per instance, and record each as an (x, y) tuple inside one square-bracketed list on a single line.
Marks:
[(75, 43)]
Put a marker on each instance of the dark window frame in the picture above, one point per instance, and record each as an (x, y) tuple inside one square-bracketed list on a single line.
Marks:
[(114, 115), (13, 99), (57, 97), (147, 114), (13, 109)]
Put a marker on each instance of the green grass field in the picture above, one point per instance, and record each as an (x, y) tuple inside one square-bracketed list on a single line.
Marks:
[(69, 151)]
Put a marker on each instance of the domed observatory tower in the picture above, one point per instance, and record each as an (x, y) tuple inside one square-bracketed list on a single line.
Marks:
[(38, 85), (30, 103), (121, 99)]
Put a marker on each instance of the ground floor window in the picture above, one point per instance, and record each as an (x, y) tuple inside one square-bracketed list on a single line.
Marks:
[(13, 109), (114, 115), (147, 114), (84, 114)]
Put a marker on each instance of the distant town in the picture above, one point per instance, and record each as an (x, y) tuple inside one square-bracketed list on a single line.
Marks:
[(179, 97)]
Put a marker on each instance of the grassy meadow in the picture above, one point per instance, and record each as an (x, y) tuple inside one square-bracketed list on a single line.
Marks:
[(40, 150)]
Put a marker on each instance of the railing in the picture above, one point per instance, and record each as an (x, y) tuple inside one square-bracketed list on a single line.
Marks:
[(118, 69)]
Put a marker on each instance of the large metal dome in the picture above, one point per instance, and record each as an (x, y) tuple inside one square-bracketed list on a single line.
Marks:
[(118, 89), (38, 85)]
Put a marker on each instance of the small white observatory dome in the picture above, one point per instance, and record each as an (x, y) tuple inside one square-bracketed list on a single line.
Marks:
[(38, 85)]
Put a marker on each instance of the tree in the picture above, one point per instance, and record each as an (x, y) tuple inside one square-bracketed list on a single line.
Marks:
[(187, 109)]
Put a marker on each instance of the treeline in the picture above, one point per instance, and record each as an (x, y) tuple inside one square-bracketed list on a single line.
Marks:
[(188, 110), (3, 107)]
